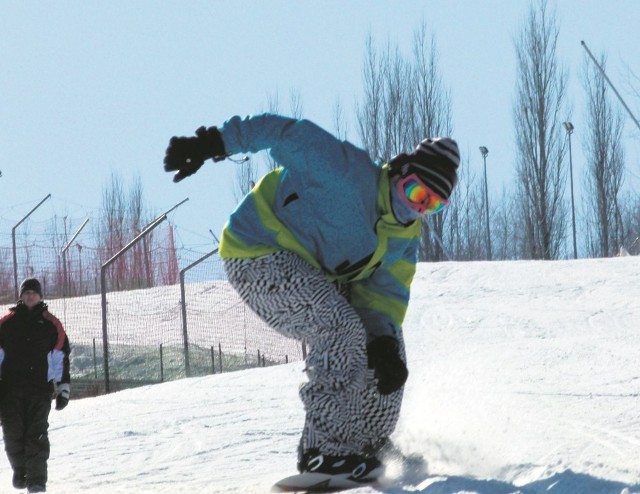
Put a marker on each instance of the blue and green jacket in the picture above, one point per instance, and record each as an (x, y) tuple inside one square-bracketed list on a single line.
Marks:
[(329, 203)]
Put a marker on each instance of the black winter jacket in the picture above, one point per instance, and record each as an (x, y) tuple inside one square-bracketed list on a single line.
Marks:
[(34, 348)]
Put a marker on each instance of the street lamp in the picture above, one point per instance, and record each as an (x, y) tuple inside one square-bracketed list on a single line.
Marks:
[(485, 152), (569, 127)]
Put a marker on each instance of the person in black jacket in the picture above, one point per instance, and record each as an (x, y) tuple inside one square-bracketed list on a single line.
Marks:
[(34, 367)]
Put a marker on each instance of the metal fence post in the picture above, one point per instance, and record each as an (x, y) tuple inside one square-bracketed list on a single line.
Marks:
[(103, 298), (65, 281), (183, 304), (13, 240)]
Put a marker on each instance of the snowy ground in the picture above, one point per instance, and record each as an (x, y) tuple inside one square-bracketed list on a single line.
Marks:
[(524, 377)]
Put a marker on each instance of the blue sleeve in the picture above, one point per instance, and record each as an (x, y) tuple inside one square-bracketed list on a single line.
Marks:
[(293, 144), (254, 133)]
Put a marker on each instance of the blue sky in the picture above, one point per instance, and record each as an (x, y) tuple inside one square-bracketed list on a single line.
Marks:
[(88, 88)]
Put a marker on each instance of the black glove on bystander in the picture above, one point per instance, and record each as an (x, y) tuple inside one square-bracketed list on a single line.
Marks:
[(187, 154), (384, 357), (62, 398)]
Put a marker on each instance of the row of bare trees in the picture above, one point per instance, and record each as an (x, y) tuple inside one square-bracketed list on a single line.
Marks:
[(405, 99), (609, 219), (123, 216)]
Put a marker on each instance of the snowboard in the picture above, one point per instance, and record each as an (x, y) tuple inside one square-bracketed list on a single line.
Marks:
[(318, 482), (399, 468)]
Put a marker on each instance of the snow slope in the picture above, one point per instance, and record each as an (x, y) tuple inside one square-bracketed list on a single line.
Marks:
[(524, 377)]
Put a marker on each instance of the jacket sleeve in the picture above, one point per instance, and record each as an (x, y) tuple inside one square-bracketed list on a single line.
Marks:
[(293, 144), (59, 357), (381, 300), (65, 376), (254, 133)]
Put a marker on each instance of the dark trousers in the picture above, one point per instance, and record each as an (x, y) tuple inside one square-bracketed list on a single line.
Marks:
[(24, 414)]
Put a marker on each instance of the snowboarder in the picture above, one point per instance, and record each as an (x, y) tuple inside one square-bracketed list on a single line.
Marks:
[(324, 249), (34, 368)]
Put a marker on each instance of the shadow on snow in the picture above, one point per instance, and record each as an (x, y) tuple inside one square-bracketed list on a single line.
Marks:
[(567, 482)]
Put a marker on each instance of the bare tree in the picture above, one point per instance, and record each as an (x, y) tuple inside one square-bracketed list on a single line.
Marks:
[(404, 102), (58, 239), (633, 82), (295, 103), (6, 276), (121, 218), (431, 114), (111, 227), (633, 87), (246, 176), (396, 105), (339, 121), (605, 165), (112, 216), (141, 263), (369, 114), (432, 101), (274, 107), (631, 218), (506, 237), (541, 85), (464, 237)]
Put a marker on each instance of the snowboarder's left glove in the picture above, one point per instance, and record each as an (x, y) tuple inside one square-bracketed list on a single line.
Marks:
[(63, 391), (187, 154), (384, 358)]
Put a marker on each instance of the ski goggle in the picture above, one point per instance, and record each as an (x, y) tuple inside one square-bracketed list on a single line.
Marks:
[(419, 196)]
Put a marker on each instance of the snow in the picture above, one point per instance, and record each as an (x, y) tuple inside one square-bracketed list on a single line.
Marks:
[(524, 378)]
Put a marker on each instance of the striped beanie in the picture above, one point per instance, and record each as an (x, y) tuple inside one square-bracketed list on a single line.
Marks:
[(435, 161)]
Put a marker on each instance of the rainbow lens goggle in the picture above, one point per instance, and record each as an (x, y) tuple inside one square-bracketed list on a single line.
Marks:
[(419, 196)]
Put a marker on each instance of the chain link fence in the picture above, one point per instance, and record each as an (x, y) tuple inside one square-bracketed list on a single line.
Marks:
[(146, 334), (145, 326)]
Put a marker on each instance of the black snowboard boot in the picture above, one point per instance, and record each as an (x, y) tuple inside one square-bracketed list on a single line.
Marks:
[(19, 479), (353, 467)]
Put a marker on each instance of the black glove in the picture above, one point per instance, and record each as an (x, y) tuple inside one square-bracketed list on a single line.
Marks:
[(63, 391), (187, 154), (384, 357)]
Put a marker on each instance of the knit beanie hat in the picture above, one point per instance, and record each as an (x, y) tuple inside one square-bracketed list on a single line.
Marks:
[(435, 161), (31, 284)]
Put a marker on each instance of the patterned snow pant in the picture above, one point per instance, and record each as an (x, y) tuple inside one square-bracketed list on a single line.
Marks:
[(344, 412)]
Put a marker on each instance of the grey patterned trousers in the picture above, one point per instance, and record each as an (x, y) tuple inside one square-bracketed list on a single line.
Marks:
[(344, 412)]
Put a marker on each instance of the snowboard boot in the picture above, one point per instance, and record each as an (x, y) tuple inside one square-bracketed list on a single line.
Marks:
[(19, 479), (36, 488), (353, 467)]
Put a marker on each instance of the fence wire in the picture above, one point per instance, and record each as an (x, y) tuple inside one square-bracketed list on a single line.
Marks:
[(145, 333)]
